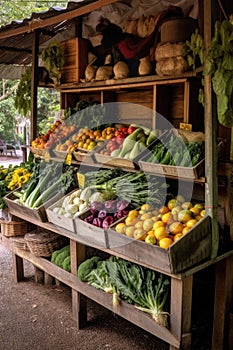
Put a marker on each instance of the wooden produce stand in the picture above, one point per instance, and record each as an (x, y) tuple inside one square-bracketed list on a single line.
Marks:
[(148, 92)]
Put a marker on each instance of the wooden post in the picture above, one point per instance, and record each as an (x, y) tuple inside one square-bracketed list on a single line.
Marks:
[(181, 311), (211, 189), (34, 84), (17, 268), (79, 307), (39, 275), (223, 303), (48, 279)]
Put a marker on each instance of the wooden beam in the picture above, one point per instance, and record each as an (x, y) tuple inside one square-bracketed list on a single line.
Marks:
[(211, 188), (34, 85), (14, 49), (41, 23)]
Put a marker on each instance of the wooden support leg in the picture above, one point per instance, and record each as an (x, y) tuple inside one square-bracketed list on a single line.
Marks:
[(39, 275), (79, 307), (18, 268), (181, 311), (223, 303), (48, 279)]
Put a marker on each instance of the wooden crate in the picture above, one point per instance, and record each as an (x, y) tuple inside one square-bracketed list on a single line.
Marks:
[(76, 60), (171, 170), (60, 220), (15, 208), (191, 249), (82, 155), (88, 233)]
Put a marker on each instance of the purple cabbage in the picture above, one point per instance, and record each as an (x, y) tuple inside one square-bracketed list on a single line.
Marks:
[(97, 222), (121, 205), (102, 214), (110, 206), (89, 219), (107, 221), (96, 206)]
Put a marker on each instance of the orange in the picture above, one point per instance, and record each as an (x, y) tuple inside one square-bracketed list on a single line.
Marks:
[(167, 217), (185, 230), (177, 236), (176, 227), (163, 209), (165, 242)]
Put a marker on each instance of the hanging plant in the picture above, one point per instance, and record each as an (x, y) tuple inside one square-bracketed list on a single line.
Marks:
[(219, 63), (54, 59), (23, 93)]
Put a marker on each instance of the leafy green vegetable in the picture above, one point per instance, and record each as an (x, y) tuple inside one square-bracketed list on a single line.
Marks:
[(219, 63), (86, 267), (137, 285)]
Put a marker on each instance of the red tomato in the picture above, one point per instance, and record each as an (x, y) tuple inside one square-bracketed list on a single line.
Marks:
[(131, 129)]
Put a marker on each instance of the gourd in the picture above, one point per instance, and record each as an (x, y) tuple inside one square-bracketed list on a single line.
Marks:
[(104, 73), (121, 70), (90, 72), (145, 66)]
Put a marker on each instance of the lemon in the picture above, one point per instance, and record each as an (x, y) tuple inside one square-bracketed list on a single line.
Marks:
[(160, 232), (158, 224), (191, 223), (148, 224), (140, 234), (133, 213), (150, 239), (120, 228), (129, 231), (145, 207)]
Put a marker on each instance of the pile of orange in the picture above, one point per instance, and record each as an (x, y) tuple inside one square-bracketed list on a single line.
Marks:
[(162, 226), (54, 135)]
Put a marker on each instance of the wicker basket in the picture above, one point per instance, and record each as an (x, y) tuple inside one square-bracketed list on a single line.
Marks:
[(44, 243), (19, 242), (16, 227)]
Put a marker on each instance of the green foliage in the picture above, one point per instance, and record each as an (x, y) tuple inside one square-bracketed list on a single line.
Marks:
[(53, 58), (20, 9), (219, 63), (23, 93)]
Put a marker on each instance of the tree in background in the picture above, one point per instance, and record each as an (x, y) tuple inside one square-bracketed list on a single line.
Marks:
[(48, 99)]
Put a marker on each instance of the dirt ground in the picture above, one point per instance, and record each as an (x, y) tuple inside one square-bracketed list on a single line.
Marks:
[(39, 317)]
